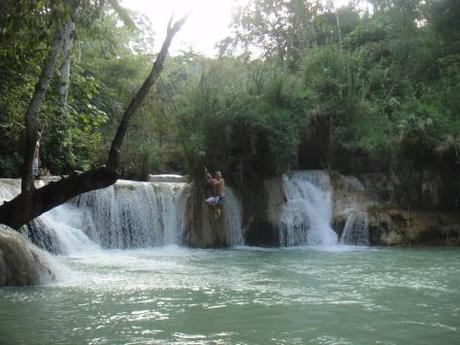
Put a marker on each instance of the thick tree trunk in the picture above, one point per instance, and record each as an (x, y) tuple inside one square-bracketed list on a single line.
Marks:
[(31, 204), (31, 115), (27, 206)]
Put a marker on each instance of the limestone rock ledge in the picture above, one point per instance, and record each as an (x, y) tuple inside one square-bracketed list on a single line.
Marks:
[(396, 226), (389, 224), (21, 262), (262, 204), (205, 229)]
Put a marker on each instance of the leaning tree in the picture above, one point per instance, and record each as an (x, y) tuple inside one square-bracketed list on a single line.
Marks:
[(32, 201)]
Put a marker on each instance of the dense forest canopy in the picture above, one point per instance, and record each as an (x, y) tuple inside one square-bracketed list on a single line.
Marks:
[(299, 84)]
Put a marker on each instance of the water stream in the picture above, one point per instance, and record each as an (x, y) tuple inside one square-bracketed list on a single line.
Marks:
[(135, 214), (306, 216), (174, 295), (356, 230), (126, 279)]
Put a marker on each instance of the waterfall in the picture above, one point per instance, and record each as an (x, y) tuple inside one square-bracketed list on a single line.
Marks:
[(57, 231), (306, 215), (9, 188), (66, 223), (135, 214), (233, 218), (127, 214), (351, 203), (356, 230)]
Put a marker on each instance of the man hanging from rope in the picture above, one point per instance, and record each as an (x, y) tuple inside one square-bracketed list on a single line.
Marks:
[(218, 185)]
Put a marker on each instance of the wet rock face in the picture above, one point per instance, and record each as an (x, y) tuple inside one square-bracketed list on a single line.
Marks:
[(42, 236), (431, 189), (395, 226), (21, 262), (262, 202), (351, 201), (384, 187), (206, 227), (204, 230), (388, 223)]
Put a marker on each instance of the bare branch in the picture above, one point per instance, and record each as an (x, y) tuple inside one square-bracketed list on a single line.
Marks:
[(114, 154)]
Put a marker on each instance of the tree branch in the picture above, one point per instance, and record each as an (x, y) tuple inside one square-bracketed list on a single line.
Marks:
[(32, 202), (63, 89), (27, 206), (115, 149), (31, 115)]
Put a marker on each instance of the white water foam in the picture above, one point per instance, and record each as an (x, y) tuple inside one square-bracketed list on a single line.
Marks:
[(67, 222), (60, 228), (356, 230), (353, 204), (128, 214), (136, 214), (233, 218), (305, 218)]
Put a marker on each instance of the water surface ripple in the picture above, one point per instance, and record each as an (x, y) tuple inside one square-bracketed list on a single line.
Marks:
[(173, 295)]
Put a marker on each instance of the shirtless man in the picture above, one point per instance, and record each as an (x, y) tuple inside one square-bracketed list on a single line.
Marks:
[(218, 184)]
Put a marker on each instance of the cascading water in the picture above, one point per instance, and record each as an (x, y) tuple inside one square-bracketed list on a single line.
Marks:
[(352, 202), (135, 214), (306, 215), (356, 230), (126, 215), (9, 188), (66, 223), (58, 230), (233, 218)]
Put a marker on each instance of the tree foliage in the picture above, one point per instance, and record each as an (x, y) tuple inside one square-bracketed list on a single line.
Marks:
[(369, 87)]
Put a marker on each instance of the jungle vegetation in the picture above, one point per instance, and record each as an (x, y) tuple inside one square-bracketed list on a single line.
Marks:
[(299, 84)]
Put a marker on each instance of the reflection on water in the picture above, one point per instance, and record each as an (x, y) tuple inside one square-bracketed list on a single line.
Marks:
[(172, 295)]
